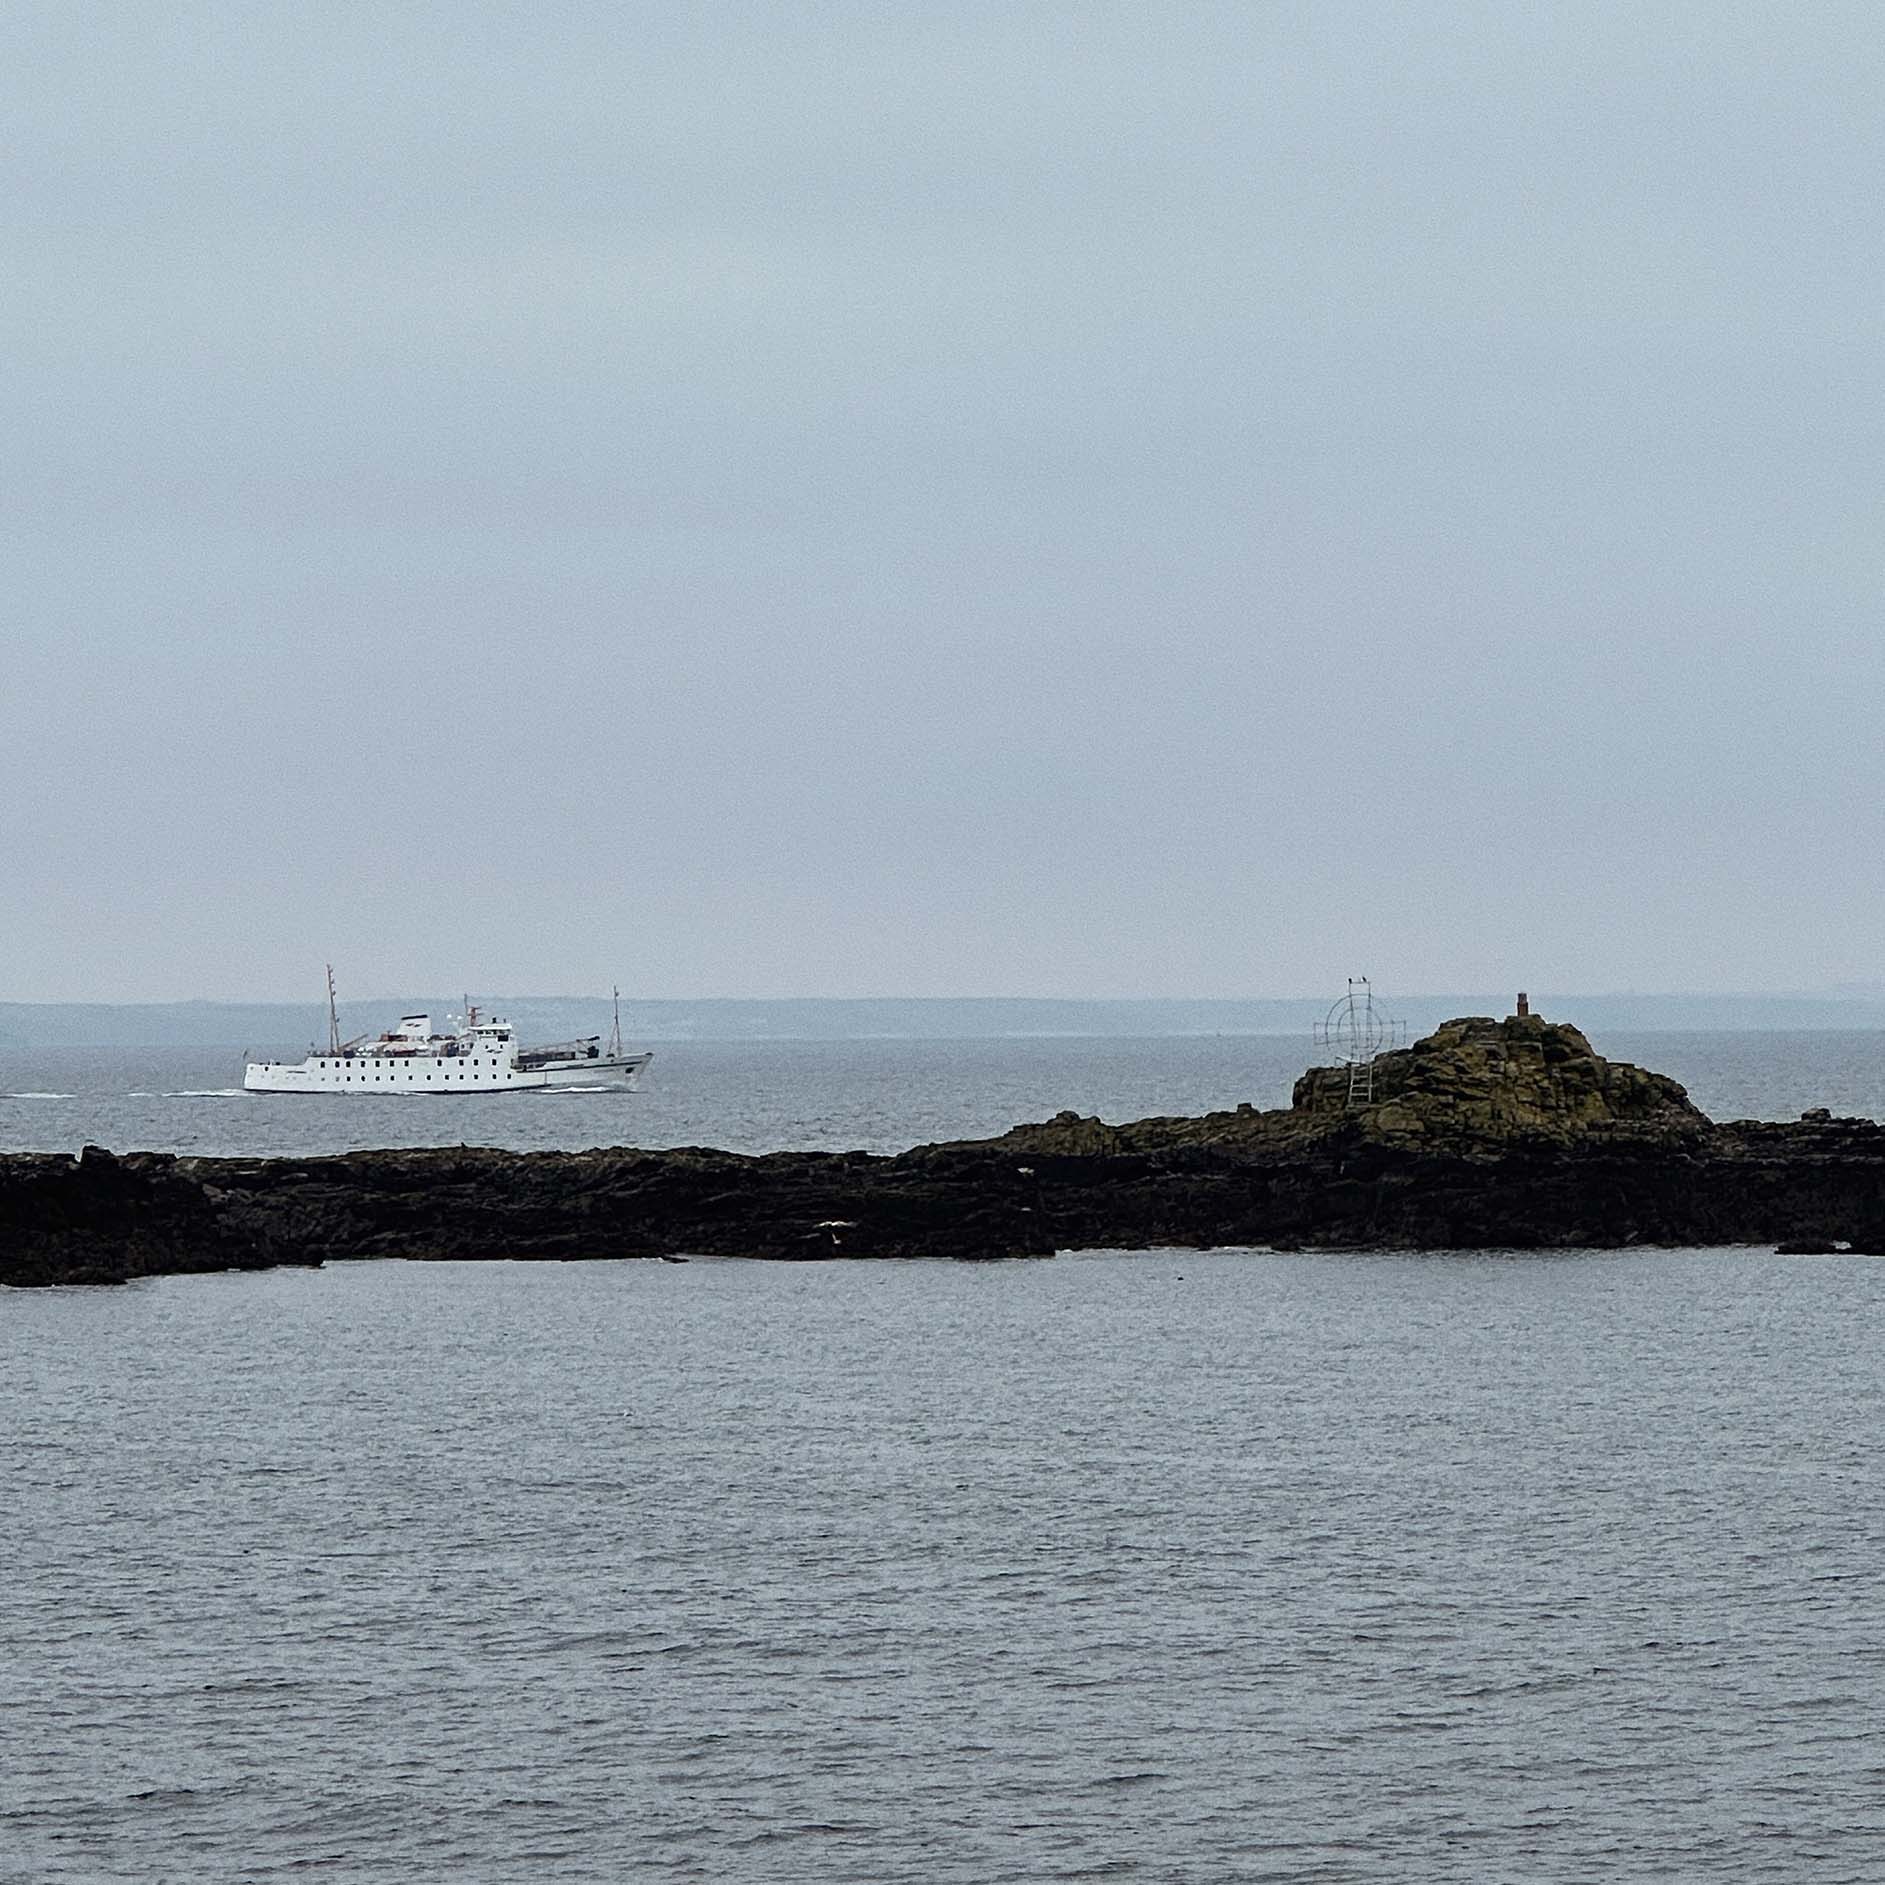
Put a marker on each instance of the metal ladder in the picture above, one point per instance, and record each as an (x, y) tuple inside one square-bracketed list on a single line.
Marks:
[(1361, 1083)]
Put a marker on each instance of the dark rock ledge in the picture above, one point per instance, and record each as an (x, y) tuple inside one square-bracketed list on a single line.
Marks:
[(1488, 1134)]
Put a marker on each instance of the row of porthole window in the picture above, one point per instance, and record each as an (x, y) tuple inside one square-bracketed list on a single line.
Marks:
[(453, 1071), (394, 1077), (471, 1062)]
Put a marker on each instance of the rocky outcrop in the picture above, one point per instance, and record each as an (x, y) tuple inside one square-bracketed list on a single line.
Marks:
[(1488, 1083), (1475, 1087), (1509, 1134), (104, 1219)]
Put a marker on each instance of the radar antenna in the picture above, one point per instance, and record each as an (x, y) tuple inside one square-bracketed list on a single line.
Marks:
[(1359, 1030)]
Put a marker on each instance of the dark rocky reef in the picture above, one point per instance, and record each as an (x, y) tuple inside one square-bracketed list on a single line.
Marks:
[(104, 1219), (1508, 1134)]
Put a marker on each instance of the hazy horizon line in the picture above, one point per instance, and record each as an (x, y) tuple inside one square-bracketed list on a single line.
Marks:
[(1832, 993)]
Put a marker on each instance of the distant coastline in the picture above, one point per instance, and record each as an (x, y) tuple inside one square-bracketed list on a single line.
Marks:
[(289, 1024)]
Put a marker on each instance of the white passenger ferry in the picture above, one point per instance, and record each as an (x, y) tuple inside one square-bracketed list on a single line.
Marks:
[(482, 1056)]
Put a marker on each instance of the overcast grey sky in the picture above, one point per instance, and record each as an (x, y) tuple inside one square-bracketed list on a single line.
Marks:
[(941, 499)]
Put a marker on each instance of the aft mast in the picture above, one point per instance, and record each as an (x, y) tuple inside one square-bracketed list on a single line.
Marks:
[(333, 1016), (615, 1033)]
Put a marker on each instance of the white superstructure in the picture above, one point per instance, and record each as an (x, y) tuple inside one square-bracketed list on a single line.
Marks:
[(482, 1056)]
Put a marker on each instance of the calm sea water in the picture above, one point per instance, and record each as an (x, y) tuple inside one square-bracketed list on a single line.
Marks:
[(1165, 1566), (880, 1095), (1223, 1567)]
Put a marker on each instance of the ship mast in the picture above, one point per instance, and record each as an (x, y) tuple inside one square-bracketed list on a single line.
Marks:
[(615, 1033), (333, 1016)]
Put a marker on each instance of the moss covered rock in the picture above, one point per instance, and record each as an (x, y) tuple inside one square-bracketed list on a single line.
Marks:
[(1489, 1081)]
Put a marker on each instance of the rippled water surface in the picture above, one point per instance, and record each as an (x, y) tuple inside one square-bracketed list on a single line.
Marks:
[(1167, 1567)]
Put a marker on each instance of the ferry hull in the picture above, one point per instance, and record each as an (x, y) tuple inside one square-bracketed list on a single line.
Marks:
[(604, 1075), (390, 1077)]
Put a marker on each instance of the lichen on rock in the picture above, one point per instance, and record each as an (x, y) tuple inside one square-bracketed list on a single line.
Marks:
[(1490, 1081)]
